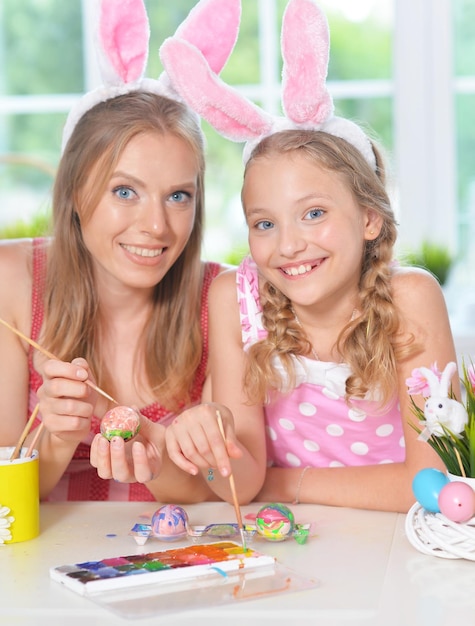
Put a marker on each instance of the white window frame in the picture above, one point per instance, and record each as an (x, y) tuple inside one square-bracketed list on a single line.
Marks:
[(423, 86)]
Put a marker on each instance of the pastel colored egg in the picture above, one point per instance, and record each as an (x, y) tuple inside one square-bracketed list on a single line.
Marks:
[(169, 523), (275, 521), (457, 501), (426, 486), (120, 421)]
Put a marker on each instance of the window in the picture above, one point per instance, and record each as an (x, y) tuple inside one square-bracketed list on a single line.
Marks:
[(404, 67)]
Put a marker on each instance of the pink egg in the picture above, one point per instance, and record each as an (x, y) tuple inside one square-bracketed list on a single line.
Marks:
[(120, 421), (457, 501)]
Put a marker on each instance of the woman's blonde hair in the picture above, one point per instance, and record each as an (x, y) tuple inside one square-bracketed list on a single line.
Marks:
[(371, 344), (72, 325)]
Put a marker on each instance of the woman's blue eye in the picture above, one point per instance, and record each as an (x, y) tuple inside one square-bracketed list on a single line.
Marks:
[(124, 193), (180, 196), (314, 213), (264, 225)]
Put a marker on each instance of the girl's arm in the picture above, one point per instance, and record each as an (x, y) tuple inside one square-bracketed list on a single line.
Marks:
[(423, 312), (194, 440)]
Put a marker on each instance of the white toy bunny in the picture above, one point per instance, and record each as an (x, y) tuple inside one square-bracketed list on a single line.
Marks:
[(439, 409)]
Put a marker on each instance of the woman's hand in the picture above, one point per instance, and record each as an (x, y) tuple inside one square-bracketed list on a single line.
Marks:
[(139, 460), (195, 442), (66, 402)]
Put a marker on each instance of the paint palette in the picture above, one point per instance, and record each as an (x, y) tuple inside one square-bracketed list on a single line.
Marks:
[(158, 584), (160, 567)]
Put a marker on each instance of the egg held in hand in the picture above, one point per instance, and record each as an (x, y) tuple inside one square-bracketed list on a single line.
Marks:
[(120, 421)]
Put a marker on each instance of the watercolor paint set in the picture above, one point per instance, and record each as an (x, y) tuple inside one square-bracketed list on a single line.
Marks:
[(154, 583), (163, 566)]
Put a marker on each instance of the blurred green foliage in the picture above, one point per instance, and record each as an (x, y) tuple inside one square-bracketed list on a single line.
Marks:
[(38, 226), (434, 257)]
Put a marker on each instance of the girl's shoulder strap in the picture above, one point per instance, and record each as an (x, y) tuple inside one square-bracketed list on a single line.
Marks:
[(250, 310)]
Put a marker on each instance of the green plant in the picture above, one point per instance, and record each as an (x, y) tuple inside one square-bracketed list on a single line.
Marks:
[(451, 439), (434, 257), (38, 226)]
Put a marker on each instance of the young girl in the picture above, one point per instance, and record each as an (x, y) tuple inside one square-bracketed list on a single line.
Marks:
[(120, 284), (313, 337)]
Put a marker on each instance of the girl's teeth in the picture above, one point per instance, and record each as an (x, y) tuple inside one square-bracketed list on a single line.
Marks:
[(295, 271)]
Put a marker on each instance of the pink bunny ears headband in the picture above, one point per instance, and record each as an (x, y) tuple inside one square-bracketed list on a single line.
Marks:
[(123, 35), (306, 101)]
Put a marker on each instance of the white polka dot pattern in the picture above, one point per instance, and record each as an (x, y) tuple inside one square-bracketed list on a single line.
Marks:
[(313, 425)]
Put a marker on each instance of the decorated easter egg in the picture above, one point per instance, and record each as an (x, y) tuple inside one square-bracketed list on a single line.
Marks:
[(275, 521), (169, 522), (120, 421), (426, 486), (457, 501)]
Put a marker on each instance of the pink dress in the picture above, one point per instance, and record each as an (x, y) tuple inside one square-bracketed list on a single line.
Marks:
[(80, 481), (312, 424)]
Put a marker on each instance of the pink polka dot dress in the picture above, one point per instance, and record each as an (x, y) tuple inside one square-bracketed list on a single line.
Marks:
[(313, 424)]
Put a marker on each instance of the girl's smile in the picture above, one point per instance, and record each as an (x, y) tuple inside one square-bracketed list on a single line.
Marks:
[(304, 222)]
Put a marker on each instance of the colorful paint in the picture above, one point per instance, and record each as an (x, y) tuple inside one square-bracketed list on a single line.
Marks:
[(163, 566), (169, 522), (275, 521), (120, 421)]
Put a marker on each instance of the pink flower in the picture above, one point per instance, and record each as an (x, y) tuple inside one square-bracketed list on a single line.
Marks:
[(471, 375), (417, 383)]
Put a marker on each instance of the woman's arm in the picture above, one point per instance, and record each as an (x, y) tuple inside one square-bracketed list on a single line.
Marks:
[(387, 487), (145, 460), (15, 309), (60, 436)]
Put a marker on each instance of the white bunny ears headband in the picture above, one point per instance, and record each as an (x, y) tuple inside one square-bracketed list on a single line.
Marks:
[(123, 35), (306, 101)]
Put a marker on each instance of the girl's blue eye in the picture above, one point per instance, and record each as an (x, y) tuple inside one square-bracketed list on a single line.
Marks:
[(124, 193), (315, 213), (264, 225)]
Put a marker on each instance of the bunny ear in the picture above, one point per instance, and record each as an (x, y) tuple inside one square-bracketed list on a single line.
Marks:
[(124, 34), (446, 378), (212, 26), (305, 50), (224, 108), (434, 384)]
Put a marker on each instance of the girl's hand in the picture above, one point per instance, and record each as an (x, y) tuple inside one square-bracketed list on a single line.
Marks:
[(194, 440), (66, 402), (139, 460)]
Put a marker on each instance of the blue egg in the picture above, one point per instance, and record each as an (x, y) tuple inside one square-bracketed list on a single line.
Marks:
[(426, 486)]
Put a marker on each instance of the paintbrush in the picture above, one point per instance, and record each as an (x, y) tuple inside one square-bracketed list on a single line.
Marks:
[(24, 434), (34, 441), (233, 488), (52, 356)]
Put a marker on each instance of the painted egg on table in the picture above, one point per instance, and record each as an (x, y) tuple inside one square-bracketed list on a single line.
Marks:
[(275, 521), (169, 523), (120, 421), (426, 486), (457, 501)]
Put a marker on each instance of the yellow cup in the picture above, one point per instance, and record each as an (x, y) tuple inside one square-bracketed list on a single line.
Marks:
[(19, 496)]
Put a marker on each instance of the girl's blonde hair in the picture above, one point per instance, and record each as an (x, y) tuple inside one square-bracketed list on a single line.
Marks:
[(72, 325), (371, 344)]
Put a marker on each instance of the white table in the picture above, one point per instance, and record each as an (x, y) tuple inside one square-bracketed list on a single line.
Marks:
[(370, 575)]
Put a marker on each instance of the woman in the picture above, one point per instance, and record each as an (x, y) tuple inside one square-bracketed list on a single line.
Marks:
[(120, 284)]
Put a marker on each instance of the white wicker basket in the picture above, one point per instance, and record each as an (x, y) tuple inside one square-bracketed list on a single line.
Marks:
[(435, 534)]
